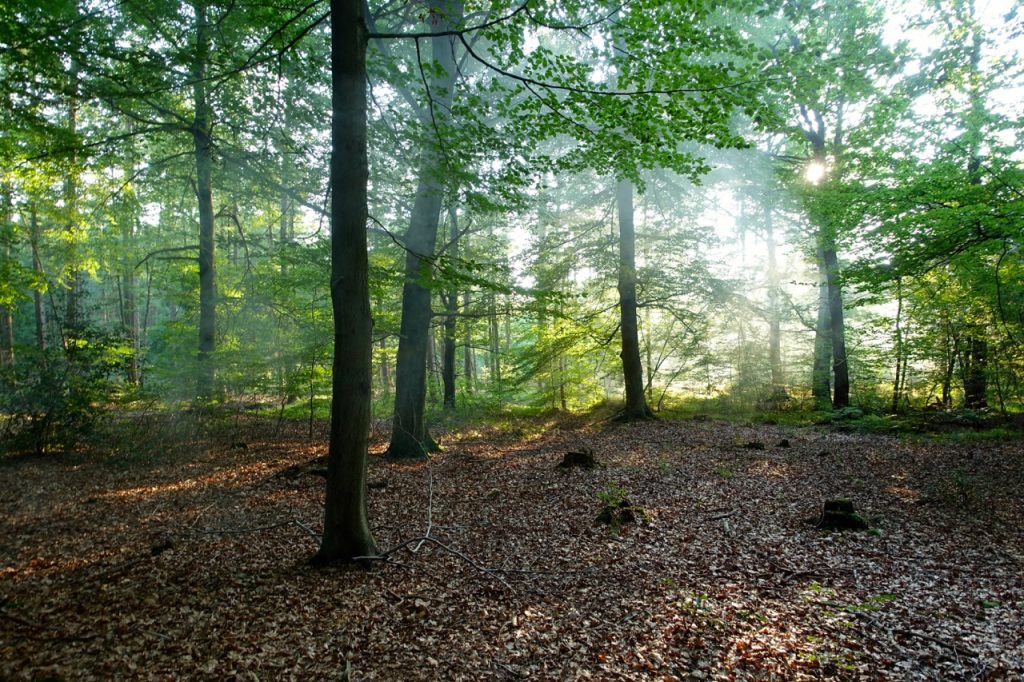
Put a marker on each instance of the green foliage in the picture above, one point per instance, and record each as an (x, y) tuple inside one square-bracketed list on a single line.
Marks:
[(57, 397)]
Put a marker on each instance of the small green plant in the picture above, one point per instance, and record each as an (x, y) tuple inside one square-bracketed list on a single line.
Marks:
[(613, 495), (617, 510), (724, 472)]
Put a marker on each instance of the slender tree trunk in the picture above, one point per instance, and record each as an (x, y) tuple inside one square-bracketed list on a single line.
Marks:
[(468, 357), (73, 306), (410, 438), (201, 128), (130, 307), (897, 382), (6, 311), (840, 368), (451, 300), (347, 533), (952, 353), (38, 305), (632, 368), (821, 386), (494, 341), (774, 310), (384, 367)]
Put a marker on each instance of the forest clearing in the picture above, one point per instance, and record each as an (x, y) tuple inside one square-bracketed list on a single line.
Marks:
[(191, 560)]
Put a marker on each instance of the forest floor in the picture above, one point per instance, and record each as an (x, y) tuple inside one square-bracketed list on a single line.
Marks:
[(187, 558)]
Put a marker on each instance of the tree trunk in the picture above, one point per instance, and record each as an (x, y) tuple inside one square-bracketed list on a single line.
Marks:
[(840, 368), (129, 305), (451, 300), (409, 436), (468, 358), (347, 533), (821, 386), (898, 347), (774, 310), (975, 380), (201, 129), (632, 368), (6, 311), (38, 305)]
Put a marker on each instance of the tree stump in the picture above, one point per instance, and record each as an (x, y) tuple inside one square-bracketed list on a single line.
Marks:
[(840, 515), (583, 459)]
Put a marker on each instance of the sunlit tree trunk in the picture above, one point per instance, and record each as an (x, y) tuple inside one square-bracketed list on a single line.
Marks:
[(632, 367), (409, 435), (837, 327), (346, 534), (821, 385), (774, 309), (201, 129)]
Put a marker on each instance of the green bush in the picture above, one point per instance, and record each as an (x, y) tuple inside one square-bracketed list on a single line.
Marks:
[(55, 396)]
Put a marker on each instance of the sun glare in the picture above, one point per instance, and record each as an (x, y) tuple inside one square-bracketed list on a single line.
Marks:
[(815, 172)]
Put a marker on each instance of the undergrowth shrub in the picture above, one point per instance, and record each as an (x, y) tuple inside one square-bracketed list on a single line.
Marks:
[(55, 396)]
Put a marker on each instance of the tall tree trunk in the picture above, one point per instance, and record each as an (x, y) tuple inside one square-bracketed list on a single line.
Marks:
[(73, 305), (38, 305), (821, 385), (494, 341), (6, 311), (840, 368), (898, 348), (976, 379), (632, 368), (201, 130), (130, 306), (774, 310), (451, 300), (409, 436), (468, 357), (347, 533)]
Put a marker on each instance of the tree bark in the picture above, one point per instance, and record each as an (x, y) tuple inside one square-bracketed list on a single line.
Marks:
[(129, 306), (409, 436), (347, 533), (840, 368), (6, 311), (451, 301), (38, 305), (774, 309), (897, 383), (632, 368), (821, 385), (201, 131), (975, 379)]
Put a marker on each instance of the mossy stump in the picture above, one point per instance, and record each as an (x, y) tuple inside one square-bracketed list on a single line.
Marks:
[(840, 515), (584, 458), (618, 515)]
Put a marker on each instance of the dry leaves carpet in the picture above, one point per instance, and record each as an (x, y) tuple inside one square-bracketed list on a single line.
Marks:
[(188, 560)]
